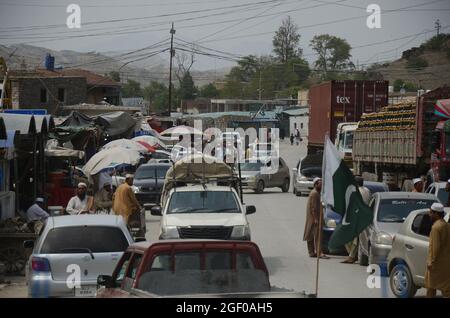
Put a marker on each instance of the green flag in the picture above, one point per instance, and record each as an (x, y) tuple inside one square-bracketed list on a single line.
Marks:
[(340, 192)]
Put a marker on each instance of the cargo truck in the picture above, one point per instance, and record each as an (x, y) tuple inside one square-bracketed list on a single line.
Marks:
[(404, 141), (335, 102)]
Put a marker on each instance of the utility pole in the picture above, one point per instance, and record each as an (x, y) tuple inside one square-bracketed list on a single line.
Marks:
[(437, 26), (172, 54), (259, 82)]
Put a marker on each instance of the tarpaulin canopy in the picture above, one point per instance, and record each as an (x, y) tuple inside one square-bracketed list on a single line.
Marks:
[(116, 124), (127, 144), (442, 108), (77, 119), (152, 141)]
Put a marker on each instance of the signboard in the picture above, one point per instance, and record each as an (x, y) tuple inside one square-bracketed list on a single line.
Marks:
[(26, 111)]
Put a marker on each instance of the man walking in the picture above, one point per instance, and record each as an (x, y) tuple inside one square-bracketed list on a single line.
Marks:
[(124, 200), (312, 228), (81, 203), (437, 275), (36, 212)]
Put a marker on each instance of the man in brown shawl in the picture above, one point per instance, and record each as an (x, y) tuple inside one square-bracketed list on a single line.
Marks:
[(124, 200)]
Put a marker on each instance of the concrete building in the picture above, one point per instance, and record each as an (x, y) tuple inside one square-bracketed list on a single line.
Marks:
[(228, 105), (295, 117)]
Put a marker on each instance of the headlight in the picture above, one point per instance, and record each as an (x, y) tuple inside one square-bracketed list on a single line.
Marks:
[(169, 232), (241, 232), (135, 189), (301, 178), (331, 223), (383, 238), (251, 178)]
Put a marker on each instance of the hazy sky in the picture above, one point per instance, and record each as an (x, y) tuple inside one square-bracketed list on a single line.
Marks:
[(240, 27)]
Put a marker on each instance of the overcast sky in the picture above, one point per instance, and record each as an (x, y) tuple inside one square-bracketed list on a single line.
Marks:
[(240, 27)]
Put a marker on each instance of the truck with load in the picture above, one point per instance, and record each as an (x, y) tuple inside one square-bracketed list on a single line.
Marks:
[(404, 141), (335, 102)]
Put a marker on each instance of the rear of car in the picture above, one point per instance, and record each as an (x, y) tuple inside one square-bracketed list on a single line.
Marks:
[(438, 189), (72, 251), (149, 181), (303, 175), (258, 175)]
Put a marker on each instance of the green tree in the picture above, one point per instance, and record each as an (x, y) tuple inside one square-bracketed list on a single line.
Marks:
[(209, 91), (114, 76), (158, 96), (286, 41), (416, 62), (132, 89), (333, 55), (187, 87)]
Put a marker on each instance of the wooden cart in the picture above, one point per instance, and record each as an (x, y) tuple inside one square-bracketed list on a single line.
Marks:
[(12, 252)]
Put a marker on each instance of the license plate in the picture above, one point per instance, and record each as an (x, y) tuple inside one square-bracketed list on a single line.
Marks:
[(86, 291)]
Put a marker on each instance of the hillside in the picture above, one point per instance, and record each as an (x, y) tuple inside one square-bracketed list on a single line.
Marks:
[(29, 57)]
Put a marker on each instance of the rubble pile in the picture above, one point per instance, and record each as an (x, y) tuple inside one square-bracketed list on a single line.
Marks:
[(15, 225)]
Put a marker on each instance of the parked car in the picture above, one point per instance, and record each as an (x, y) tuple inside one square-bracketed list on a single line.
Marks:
[(263, 151), (407, 260), (148, 182), (187, 267), (304, 173), (390, 209), (253, 176), (332, 219), (438, 189), (93, 243)]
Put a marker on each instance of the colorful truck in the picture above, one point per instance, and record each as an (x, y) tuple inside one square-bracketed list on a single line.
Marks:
[(404, 141)]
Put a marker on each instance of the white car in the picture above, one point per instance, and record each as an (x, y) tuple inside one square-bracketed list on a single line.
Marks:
[(204, 212)]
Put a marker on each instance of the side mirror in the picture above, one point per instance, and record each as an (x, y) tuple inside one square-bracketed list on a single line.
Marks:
[(140, 239), (28, 244), (156, 210), (250, 209), (105, 280)]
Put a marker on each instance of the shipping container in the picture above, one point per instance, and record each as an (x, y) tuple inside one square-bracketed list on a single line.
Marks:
[(403, 141), (335, 102)]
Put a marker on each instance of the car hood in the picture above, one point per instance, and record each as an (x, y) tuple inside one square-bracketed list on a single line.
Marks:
[(148, 182), (388, 227), (206, 219)]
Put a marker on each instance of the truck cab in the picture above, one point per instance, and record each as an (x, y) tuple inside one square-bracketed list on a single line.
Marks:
[(344, 140)]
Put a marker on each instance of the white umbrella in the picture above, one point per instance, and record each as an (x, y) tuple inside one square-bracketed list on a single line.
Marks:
[(126, 144), (181, 130), (152, 141), (110, 158)]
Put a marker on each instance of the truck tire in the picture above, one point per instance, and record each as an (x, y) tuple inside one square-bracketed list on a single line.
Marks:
[(401, 282), (259, 187), (286, 185)]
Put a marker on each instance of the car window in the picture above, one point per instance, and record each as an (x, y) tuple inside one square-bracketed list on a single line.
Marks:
[(162, 262), (396, 210), (123, 266), (430, 189), (422, 225), (443, 196), (84, 239), (203, 202), (244, 261), (131, 271), (218, 260), (151, 172), (187, 261)]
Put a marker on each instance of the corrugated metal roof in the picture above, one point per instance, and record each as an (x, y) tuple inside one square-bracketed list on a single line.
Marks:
[(296, 112), (262, 115)]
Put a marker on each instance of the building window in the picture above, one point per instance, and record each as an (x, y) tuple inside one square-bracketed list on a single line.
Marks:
[(43, 98), (61, 94), (301, 125)]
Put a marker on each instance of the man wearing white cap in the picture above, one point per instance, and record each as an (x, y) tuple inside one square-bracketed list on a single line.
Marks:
[(36, 212), (437, 275), (81, 203), (124, 200), (418, 185)]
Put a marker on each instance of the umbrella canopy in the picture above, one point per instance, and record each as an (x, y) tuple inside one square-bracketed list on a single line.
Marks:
[(181, 130), (146, 145), (152, 141), (126, 144), (442, 108), (112, 157)]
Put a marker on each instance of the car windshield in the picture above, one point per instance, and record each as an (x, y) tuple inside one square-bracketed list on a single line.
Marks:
[(251, 166), (82, 239), (203, 202), (397, 210), (150, 172), (348, 141)]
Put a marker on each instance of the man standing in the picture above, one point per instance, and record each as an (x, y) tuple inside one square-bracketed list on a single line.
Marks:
[(312, 228), (124, 200), (297, 136), (81, 203), (352, 247), (438, 262), (36, 212), (103, 198), (418, 185)]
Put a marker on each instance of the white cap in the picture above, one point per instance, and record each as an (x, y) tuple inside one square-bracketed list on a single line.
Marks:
[(437, 207), (448, 180), (316, 179), (129, 175), (82, 185), (40, 200), (416, 180)]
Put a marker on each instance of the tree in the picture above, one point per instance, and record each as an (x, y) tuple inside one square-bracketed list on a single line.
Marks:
[(187, 87), (286, 41), (158, 96), (334, 54), (209, 91), (115, 76), (132, 89)]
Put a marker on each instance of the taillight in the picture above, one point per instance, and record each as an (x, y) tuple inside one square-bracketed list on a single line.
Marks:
[(40, 264)]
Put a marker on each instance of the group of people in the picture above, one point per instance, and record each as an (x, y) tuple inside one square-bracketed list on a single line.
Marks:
[(295, 136), (121, 202)]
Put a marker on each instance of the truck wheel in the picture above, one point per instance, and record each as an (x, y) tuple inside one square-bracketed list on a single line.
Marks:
[(363, 259), (260, 187), (401, 282), (285, 186)]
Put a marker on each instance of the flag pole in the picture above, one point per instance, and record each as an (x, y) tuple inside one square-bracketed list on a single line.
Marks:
[(319, 248)]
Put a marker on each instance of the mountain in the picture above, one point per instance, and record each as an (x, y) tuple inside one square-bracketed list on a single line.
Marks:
[(24, 56)]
